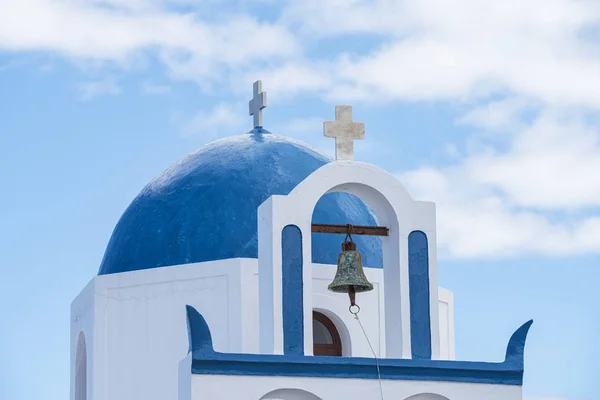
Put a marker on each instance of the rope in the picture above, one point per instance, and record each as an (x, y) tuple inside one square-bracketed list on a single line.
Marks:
[(372, 350)]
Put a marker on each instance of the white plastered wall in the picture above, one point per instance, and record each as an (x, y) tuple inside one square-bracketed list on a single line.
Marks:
[(82, 323), (446, 307), (136, 332), (221, 387), (136, 329), (372, 314)]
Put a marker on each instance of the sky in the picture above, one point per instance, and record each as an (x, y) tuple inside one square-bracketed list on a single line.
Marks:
[(491, 109)]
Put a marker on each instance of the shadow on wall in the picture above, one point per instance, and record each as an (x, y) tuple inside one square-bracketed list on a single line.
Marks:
[(427, 396), (290, 394), (81, 369)]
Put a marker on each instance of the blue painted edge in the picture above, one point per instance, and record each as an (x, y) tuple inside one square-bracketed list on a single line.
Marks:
[(259, 130), (420, 313), (516, 346), (292, 291), (206, 361)]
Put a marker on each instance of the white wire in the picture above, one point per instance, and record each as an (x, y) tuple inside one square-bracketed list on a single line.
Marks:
[(374, 354)]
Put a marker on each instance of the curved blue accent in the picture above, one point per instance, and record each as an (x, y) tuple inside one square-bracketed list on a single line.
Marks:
[(206, 361), (515, 350), (292, 291), (204, 207), (420, 313), (198, 333)]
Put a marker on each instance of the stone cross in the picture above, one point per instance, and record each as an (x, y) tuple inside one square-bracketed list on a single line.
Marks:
[(344, 131), (258, 102)]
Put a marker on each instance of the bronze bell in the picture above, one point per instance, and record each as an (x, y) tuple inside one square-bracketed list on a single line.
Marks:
[(350, 277)]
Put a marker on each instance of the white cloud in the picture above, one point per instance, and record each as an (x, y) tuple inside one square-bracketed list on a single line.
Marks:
[(91, 89), (221, 120), (552, 164), (153, 88), (436, 49), (117, 31), (308, 130), (429, 50), (504, 114), (498, 204)]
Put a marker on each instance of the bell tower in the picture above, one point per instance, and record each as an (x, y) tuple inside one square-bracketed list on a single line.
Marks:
[(408, 325)]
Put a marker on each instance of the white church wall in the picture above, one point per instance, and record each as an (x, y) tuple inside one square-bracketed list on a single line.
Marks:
[(185, 379), (372, 314), (250, 305), (335, 306), (82, 326), (227, 387), (140, 330), (446, 307)]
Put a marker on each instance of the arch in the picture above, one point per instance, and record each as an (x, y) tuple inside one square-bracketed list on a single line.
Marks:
[(350, 210), (427, 396), (81, 369), (342, 329), (326, 338), (290, 394)]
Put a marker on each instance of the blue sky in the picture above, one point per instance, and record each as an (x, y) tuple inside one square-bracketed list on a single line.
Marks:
[(490, 109)]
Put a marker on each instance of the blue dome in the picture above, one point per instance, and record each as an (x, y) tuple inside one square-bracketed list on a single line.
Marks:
[(204, 207)]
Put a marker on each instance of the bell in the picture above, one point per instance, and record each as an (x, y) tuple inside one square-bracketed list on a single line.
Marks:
[(350, 277)]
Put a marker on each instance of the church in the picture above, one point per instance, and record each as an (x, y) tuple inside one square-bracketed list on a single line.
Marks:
[(257, 268)]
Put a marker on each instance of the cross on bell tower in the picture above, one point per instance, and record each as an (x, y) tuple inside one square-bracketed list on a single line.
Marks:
[(345, 131), (258, 103)]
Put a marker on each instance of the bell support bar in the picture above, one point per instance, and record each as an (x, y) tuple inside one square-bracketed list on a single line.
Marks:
[(356, 229)]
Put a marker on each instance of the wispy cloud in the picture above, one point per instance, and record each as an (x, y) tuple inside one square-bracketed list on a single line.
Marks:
[(455, 49), (427, 49), (504, 115), (155, 89), (116, 31), (221, 120), (496, 203), (91, 89)]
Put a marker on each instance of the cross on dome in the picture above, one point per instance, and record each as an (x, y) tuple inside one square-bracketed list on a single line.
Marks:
[(258, 102), (345, 131)]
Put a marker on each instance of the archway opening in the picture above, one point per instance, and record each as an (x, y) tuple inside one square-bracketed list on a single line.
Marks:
[(289, 394), (344, 208), (326, 338)]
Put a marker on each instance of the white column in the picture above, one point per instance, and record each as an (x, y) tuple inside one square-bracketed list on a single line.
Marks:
[(396, 295), (270, 314)]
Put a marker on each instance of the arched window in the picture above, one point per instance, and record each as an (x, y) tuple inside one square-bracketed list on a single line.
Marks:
[(326, 339)]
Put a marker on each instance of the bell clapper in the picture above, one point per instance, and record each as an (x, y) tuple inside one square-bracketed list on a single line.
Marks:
[(354, 308)]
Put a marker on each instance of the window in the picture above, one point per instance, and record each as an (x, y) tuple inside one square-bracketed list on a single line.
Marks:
[(326, 339)]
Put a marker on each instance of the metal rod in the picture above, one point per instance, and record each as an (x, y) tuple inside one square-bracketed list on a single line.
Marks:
[(356, 229)]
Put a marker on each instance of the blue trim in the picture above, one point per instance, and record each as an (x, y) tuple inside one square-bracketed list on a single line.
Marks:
[(259, 130), (198, 333), (206, 361), (420, 316), (516, 346), (292, 287)]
